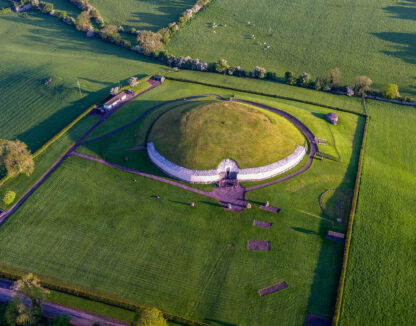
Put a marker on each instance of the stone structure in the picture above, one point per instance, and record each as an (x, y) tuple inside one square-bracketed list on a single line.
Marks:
[(226, 169), (332, 118)]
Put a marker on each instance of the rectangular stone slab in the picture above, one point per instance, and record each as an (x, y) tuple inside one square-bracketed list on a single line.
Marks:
[(274, 288), (262, 224), (258, 245), (335, 236), (270, 209)]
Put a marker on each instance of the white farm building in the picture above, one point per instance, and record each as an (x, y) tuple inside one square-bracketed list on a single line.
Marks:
[(115, 100)]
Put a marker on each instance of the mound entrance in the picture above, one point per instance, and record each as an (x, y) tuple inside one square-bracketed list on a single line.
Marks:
[(201, 134)]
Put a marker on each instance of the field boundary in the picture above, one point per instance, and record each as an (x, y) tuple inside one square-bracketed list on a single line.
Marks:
[(340, 292), (184, 80), (50, 283)]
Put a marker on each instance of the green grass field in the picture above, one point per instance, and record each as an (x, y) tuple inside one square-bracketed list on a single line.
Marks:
[(142, 14), (91, 225), (200, 135), (381, 267), (39, 47), (374, 38)]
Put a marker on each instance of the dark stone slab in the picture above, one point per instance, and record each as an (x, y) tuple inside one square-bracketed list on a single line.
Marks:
[(262, 224), (270, 209), (274, 288), (258, 245)]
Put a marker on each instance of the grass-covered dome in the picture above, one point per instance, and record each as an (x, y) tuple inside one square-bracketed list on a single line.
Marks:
[(200, 134)]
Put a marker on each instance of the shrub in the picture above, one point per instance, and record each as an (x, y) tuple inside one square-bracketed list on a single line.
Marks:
[(110, 33), (47, 7), (391, 91), (290, 78), (362, 85), (259, 72), (5, 11), (334, 77), (62, 14), (133, 31), (132, 81), (271, 76), (9, 197), (221, 66), (150, 42), (83, 21), (304, 79), (151, 317)]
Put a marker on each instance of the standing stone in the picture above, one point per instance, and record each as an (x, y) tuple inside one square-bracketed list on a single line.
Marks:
[(248, 205), (192, 204), (267, 204)]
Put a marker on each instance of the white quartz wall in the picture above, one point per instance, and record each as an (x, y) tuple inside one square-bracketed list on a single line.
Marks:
[(212, 176)]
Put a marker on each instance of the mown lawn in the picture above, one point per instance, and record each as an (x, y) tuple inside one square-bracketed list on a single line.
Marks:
[(142, 14), (91, 225), (374, 38), (379, 285), (39, 47)]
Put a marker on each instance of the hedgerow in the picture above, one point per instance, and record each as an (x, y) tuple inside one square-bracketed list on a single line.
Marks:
[(50, 283), (340, 292)]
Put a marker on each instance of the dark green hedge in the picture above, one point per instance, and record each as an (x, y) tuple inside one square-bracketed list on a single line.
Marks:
[(264, 94), (50, 283), (340, 293)]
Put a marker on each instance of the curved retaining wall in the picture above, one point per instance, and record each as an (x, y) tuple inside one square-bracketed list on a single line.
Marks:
[(213, 176)]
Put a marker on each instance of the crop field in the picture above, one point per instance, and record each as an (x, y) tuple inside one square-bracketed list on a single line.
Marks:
[(366, 37), (382, 254), (36, 48), (91, 225), (142, 14)]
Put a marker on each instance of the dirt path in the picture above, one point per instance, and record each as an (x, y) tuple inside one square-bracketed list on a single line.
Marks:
[(78, 317)]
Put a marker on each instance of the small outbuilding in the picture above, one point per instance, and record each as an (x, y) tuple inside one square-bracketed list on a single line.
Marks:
[(115, 100), (159, 78), (332, 118)]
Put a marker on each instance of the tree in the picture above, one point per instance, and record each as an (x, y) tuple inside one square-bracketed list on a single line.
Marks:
[(304, 79), (16, 313), (110, 33), (29, 287), (221, 66), (151, 317), (391, 91), (15, 158), (132, 81), (9, 197), (362, 85), (83, 21), (150, 42), (290, 78), (334, 77), (259, 72)]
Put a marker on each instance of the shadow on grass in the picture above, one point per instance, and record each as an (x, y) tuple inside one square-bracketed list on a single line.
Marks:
[(219, 323), (302, 230), (325, 283)]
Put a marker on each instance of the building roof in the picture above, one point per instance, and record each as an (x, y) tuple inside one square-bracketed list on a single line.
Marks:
[(115, 99)]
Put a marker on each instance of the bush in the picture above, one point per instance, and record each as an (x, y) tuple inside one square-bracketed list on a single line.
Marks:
[(391, 91), (47, 7), (5, 11), (9, 197), (110, 33), (152, 317), (362, 85), (150, 42), (259, 72), (62, 14), (290, 78), (304, 79), (221, 66), (83, 21)]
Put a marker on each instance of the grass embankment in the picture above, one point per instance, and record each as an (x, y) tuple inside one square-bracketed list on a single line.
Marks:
[(142, 14), (379, 43), (91, 225), (380, 268), (39, 47), (199, 136)]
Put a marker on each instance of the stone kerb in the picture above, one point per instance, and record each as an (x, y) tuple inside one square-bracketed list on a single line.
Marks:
[(213, 176)]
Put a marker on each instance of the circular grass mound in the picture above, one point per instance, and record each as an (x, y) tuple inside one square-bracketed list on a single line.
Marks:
[(200, 134)]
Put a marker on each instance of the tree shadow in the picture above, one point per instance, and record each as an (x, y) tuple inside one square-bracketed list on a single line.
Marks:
[(403, 10), (405, 48), (325, 283)]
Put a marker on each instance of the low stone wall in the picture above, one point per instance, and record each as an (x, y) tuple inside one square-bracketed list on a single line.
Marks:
[(213, 176)]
